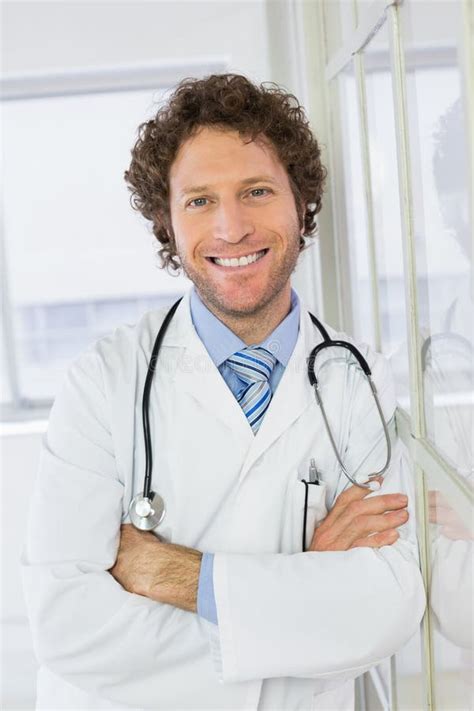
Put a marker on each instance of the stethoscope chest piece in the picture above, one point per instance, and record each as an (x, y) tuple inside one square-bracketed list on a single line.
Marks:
[(147, 513)]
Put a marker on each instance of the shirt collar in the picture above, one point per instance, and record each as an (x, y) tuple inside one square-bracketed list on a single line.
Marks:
[(221, 342)]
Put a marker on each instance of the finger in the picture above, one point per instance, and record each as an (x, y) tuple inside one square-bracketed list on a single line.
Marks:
[(379, 504), (354, 493), (367, 507), (377, 540), (349, 495), (350, 526), (367, 525)]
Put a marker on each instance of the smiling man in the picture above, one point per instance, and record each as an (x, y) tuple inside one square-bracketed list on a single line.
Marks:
[(270, 584), (237, 234)]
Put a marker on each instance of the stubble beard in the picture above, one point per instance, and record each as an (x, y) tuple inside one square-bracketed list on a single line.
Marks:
[(277, 281)]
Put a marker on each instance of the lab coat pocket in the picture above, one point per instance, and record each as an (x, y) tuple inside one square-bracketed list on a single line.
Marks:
[(298, 493)]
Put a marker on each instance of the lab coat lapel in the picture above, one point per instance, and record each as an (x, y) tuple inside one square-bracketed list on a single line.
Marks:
[(292, 397), (194, 373)]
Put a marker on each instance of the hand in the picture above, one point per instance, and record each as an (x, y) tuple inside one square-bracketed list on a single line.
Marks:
[(356, 522), (163, 572), (441, 513)]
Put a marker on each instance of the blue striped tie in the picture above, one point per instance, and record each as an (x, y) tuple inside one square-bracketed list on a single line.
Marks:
[(254, 366)]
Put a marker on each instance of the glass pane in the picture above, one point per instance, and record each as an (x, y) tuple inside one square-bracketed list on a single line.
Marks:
[(353, 425), (355, 207), (386, 206), (451, 602), (439, 153), (339, 23), (80, 260), (361, 8)]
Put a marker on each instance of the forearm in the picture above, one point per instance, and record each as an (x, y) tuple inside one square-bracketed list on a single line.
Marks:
[(314, 615), (164, 572), (84, 624), (177, 576), (321, 614)]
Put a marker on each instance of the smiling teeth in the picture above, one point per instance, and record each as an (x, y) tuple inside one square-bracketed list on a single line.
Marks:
[(241, 262)]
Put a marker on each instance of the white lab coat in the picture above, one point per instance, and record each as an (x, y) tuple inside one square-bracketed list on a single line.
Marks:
[(294, 629)]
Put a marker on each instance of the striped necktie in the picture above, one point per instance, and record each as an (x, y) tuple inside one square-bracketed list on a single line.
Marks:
[(254, 366)]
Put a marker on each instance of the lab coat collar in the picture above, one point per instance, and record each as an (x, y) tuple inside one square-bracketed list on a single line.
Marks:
[(201, 379), (194, 372)]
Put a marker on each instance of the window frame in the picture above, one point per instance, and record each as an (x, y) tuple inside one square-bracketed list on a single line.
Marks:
[(411, 426)]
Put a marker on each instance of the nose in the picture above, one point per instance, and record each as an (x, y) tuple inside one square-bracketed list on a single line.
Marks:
[(232, 221)]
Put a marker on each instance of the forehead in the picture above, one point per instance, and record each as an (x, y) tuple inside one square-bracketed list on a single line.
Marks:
[(214, 154)]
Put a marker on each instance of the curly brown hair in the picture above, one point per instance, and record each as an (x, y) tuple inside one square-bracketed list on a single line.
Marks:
[(228, 101)]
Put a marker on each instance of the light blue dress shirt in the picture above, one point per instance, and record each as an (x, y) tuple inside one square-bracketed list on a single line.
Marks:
[(221, 343)]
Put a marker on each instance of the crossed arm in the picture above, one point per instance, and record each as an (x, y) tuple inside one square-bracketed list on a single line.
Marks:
[(169, 573), (79, 612)]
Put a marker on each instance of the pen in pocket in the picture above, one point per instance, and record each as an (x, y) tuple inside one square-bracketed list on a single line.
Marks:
[(313, 474)]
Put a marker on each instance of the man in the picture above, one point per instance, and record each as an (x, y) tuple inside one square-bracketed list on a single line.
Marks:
[(223, 609)]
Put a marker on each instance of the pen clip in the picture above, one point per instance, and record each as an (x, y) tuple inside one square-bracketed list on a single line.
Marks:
[(313, 474)]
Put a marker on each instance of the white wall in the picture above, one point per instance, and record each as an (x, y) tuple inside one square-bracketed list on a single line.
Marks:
[(39, 36)]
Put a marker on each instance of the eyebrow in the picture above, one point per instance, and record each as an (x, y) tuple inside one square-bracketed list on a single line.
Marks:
[(188, 189)]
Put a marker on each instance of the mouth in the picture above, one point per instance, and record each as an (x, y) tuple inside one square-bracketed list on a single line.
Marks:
[(242, 262)]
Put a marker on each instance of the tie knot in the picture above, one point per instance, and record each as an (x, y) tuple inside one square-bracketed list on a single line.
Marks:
[(252, 364)]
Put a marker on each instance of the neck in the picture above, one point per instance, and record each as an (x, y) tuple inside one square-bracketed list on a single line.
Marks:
[(257, 326)]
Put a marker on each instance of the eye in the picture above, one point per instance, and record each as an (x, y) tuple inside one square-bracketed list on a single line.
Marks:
[(197, 202), (259, 192)]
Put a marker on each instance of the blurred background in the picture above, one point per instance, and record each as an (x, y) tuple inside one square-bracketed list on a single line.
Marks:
[(389, 89)]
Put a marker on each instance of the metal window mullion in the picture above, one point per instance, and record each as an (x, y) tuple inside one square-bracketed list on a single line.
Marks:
[(425, 558), (404, 432), (457, 489), (427, 460), (408, 233), (417, 421), (323, 262), (368, 25), (308, 60), (330, 249), (369, 204), (338, 190)]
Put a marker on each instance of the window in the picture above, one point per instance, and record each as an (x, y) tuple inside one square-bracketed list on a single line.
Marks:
[(78, 260), (400, 91)]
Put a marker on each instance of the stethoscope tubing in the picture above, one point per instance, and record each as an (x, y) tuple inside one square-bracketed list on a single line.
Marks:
[(328, 342), (146, 399), (149, 495)]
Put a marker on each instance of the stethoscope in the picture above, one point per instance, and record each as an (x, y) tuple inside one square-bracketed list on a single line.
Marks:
[(147, 510)]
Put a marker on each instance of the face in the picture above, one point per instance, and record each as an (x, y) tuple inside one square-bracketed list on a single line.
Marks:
[(234, 220)]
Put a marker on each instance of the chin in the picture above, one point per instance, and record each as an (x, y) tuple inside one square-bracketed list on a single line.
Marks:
[(238, 304)]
